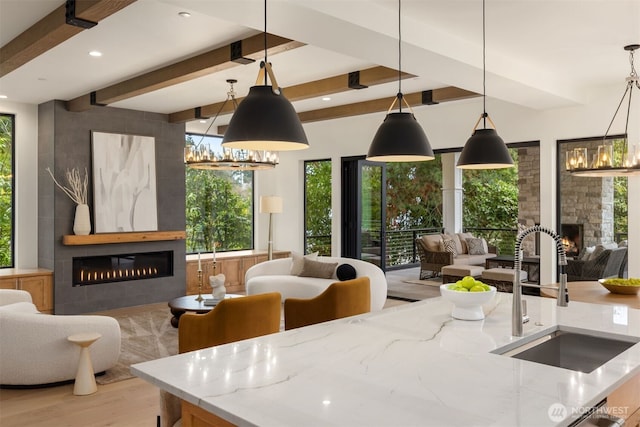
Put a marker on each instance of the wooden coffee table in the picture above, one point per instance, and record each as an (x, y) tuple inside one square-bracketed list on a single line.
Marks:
[(181, 305)]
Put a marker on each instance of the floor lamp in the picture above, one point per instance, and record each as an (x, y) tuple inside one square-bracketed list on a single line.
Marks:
[(270, 205)]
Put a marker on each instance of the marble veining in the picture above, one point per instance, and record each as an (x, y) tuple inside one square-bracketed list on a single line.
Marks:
[(404, 366)]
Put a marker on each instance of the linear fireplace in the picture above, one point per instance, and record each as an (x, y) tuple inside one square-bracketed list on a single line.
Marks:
[(93, 270)]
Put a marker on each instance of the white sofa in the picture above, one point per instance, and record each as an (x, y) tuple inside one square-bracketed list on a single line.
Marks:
[(275, 276), (33, 346)]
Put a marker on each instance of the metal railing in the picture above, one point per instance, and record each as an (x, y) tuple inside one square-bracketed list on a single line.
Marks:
[(401, 248)]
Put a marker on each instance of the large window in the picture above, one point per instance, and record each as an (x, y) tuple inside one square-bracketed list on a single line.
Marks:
[(6, 190), (317, 212), (219, 206)]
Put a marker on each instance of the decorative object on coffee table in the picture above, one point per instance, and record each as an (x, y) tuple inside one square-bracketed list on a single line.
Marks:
[(217, 286)]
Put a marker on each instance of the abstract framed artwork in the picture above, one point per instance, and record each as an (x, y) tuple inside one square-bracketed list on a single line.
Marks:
[(124, 182)]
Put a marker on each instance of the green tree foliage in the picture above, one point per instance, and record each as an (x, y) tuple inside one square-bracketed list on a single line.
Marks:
[(491, 201), (620, 198), (414, 195), (620, 208), (318, 212), (219, 208), (6, 190)]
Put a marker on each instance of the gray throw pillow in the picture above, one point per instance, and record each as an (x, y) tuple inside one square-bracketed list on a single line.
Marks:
[(322, 270), (297, 263), (476, 247)]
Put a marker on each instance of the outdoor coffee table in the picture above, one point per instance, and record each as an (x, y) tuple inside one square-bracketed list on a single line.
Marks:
[(529, 264), (181, 305)]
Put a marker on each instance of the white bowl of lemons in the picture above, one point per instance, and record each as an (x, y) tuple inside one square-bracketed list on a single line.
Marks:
[(467, 295)]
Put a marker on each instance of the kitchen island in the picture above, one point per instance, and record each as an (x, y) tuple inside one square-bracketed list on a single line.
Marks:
[(407, 365)]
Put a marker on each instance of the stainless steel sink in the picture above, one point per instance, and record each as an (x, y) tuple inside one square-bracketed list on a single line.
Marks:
[(572, 349)]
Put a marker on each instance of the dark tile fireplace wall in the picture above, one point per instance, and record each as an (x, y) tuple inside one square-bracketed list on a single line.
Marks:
[(64, 141)]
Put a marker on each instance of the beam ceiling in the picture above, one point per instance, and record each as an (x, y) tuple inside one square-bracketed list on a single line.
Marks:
[(198, 66), (434, 96), (323, 87), (52, 30)]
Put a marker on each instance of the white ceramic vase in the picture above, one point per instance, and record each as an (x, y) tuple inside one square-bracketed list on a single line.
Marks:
[(82, 221)]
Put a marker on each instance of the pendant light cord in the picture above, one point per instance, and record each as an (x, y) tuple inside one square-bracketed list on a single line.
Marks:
[(484, 71), (265, 40), (400, 54)]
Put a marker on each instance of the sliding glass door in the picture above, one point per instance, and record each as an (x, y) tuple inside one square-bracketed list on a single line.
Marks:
[(364, 210)]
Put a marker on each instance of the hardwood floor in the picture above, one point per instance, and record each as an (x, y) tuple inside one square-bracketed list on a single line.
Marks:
[(128, 403)]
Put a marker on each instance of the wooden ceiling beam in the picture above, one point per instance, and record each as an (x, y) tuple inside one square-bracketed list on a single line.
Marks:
[(434, 96), (328, 86), (52, 30), (198, 66)]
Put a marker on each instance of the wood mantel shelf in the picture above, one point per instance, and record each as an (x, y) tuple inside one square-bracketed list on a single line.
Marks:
[(107, 238)]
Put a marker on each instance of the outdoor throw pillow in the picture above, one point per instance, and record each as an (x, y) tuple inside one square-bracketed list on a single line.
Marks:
[(345, 272), (448, 245), (321, 270), (298, 260), (476, 246)]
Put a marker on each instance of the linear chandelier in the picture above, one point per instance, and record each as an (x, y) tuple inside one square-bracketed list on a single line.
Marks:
[(205, 155), (604, 163)]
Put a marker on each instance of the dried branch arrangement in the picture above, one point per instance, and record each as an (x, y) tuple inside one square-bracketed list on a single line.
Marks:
[(77, 190)]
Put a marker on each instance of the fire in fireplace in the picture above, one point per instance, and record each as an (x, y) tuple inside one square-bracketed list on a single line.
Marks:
[(117, 268), (572, 238)]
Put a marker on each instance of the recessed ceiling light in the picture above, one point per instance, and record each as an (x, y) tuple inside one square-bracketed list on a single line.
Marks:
[(3, 96), (326, 98), (184, 14), (95, 53)]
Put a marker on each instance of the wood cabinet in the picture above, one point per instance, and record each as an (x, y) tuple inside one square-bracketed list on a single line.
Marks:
[(624, 402), (233, 265), (37, 281)]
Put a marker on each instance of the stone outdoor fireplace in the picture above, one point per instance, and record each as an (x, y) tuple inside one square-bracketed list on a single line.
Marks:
[(93, 270), (572, 236)]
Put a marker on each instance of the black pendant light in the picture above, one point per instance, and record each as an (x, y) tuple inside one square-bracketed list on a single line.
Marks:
[(265, 119), (485, 149), (400, 138)]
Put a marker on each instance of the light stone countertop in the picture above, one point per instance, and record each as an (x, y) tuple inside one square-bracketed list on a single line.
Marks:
[(408, 365)]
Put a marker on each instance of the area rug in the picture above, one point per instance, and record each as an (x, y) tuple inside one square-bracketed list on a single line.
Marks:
[(147, 335)]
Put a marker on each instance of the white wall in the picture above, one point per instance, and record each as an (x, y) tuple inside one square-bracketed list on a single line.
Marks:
[(449, 125), (26, 179)]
